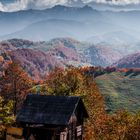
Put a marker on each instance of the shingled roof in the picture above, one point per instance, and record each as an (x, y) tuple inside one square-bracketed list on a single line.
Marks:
[(49, 110)]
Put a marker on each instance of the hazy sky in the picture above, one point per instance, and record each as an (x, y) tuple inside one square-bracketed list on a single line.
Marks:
[(15, 5)]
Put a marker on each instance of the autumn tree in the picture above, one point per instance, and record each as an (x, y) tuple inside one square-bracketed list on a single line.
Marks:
[(64, 82), (100, 126), (73, 81), (14, 85), (6, 116)]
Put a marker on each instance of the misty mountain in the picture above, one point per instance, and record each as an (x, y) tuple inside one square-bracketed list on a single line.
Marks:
[(13, 21), (54, 28), (104, 56), (81, 23), (115, 38), (130, 61), (48, 29)]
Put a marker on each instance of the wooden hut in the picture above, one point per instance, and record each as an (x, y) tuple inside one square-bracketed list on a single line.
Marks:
[(52, 117)]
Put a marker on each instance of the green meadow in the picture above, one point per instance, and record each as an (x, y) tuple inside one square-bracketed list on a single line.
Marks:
[(120, 91)]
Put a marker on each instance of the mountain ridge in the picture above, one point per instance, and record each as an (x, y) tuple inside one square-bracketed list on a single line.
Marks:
[(41, 57), (77, 22), (130, 61)]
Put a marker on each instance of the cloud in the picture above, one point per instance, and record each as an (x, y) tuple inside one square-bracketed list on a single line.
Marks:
[(1, 7), (15, 6), (42, 4), (115, 2), (119, 2), (30, 4)]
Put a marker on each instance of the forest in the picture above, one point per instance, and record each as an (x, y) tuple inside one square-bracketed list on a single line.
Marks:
[(16, 84)]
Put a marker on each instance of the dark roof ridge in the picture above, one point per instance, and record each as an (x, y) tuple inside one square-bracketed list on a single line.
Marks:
[(37, 94), (49, 109)]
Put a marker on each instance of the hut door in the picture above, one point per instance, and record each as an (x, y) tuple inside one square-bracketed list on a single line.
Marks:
[(63, 136)]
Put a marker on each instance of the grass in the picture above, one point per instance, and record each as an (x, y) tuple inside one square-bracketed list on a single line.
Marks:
[(120, 92)]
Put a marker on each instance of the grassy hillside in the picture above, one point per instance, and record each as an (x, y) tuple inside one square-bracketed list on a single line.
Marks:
[(120, 92)]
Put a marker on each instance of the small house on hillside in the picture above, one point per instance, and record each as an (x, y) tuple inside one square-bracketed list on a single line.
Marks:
[(52, 117)]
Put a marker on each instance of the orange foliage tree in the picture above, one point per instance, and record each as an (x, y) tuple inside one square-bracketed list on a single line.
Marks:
[(14, 85), (74, 82), (100, 125)]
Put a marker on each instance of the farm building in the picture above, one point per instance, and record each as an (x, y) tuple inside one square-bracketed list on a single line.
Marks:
[(52, 117)]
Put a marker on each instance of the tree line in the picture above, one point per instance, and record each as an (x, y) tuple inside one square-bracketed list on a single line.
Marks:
[(15, 84)]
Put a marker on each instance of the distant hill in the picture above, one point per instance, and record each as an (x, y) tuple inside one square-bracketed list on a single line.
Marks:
[(49, 29), (101, 55), (115, 38), (38, 58), (11, 22), (130, 61), (35, 62), (5, 60)]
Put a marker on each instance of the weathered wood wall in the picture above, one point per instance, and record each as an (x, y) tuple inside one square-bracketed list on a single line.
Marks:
[(14, 133)]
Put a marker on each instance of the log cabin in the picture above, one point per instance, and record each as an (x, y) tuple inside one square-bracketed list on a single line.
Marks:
[(52, 117)]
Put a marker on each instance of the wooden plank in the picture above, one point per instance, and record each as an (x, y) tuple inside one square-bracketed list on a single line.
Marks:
[(31, 137), (63, 136), (15, 131), (79, 133), (79, 130), (9, 137), (2, 127), (79, 127)]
